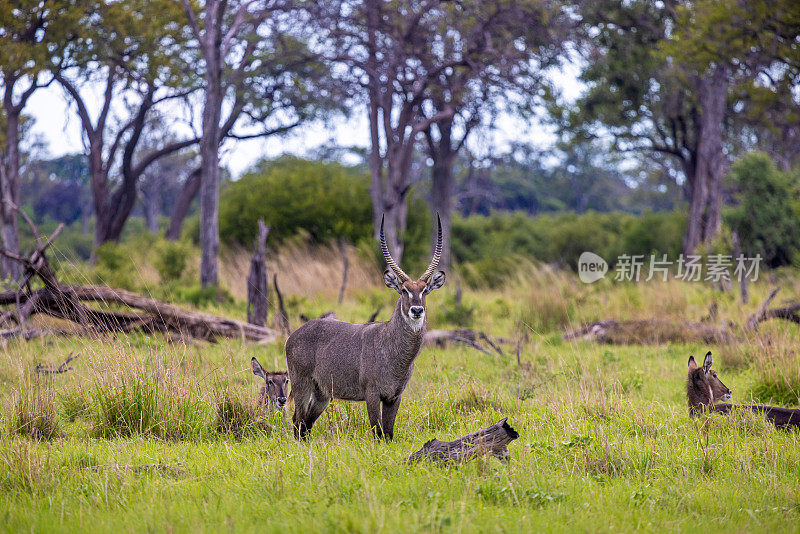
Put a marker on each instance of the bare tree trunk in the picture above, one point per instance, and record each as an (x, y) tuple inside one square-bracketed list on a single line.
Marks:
[(705, 206), (345, 267), (182, 204), (150, 200), (442, 154), (209, 151), (257, 286), (10, 188)]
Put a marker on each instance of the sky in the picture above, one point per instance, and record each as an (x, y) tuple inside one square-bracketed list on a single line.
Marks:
[(57, 125)]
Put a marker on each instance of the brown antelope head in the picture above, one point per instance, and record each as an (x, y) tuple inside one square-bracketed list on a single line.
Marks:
[(274, 390), (703, 386), (413, 292)]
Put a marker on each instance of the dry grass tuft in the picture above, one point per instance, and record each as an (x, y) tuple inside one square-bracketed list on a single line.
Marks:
[(238, 418), (34, 414)]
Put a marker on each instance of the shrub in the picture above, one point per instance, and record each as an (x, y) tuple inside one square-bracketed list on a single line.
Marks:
[(171, 259), (114, 266), (327, 200)]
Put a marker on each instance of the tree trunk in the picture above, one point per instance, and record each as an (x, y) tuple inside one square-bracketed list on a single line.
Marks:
[(442, 155), (150, 200), (705, 206), (10, 189), (182, 204), (257, 286), (209, 154), (394, 204)]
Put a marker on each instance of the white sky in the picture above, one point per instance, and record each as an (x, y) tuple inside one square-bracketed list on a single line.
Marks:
[(58, 126)]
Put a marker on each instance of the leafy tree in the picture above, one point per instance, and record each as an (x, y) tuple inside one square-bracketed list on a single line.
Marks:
[(32, 31), (766, 219), (131, 49), (246, 49), (653, 97)]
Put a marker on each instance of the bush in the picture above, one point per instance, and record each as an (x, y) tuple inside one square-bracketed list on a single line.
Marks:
[(486, 246), (114, 266), (765, 219), (171, 259), (327, 200)]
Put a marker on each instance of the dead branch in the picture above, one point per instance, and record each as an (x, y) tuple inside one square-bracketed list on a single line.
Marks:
[(62, 368), (281, 322), (492, 440), (764, 313), (374, 315), (466, 336)]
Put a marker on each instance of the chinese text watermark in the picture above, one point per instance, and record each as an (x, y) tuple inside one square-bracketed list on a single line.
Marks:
[(714, 268)]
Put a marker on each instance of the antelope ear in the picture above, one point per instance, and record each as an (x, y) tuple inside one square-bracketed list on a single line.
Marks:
[(436, 281), (257, 369), (692, 364), (707, 362), (392, 281)]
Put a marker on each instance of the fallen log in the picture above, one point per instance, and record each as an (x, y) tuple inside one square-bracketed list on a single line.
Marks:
[(649, 332), (152, 315), (466, 336), (66, 302), (492, 440)]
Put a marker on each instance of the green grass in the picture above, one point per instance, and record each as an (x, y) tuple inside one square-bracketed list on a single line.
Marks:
[(605, 439)]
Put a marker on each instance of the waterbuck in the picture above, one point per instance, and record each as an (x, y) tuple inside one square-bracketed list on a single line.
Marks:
[(703, 388), (273, 392), (330, 359)]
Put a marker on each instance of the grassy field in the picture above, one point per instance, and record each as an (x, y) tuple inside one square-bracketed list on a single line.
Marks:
[(605, 443)]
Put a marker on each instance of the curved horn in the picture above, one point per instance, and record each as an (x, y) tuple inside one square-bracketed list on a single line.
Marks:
[(389, 260), (437, 254)]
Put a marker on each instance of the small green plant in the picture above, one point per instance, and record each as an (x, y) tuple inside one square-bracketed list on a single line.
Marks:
[(171, 259), (114, 266)]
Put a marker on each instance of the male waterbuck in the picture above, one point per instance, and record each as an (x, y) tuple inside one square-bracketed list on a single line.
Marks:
[(703, 388), (273, 392), (329, 359)]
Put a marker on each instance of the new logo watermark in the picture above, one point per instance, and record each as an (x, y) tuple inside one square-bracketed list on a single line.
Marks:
[(717, 268), (591, 267)]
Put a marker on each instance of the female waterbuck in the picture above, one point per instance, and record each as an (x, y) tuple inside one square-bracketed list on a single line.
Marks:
[(273, 392), (329, 359), (704, 388)]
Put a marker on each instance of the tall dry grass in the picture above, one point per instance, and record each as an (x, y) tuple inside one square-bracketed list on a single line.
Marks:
[(302, 270)]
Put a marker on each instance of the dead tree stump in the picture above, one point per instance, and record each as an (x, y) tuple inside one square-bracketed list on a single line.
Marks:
[(492, 440), (281, 320), (257, 285)]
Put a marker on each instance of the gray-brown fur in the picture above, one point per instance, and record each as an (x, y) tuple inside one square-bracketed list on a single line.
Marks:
[(330, 359), (276, 384), (704, 388)]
